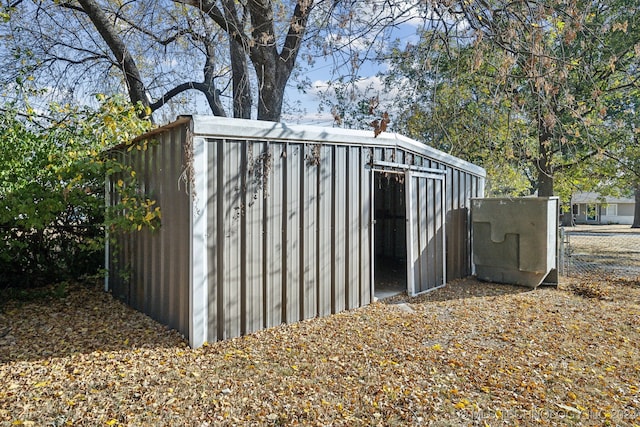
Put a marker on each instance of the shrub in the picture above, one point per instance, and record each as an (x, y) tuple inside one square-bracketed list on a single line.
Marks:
[(52, 176)]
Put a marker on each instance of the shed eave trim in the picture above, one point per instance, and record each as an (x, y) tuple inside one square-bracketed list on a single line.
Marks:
[(212, 127), (404, 167)]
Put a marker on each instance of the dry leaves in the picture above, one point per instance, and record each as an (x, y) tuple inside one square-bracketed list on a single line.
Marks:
[(469, 354), (379, 125)]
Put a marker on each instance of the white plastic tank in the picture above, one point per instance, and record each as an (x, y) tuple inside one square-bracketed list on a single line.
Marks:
[(515, 240)]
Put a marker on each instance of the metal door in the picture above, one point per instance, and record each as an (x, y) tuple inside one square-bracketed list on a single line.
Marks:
[(426, 259)]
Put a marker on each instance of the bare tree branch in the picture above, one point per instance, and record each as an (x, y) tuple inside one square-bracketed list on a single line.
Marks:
[(132, 76)]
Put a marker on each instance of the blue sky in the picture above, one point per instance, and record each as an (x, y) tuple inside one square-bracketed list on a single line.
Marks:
[(327, 68)]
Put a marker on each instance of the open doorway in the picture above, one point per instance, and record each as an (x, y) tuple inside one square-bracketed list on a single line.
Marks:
[(409, 232), (390, 238)]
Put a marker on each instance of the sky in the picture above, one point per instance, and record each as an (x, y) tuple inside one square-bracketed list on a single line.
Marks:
[(327, 68)]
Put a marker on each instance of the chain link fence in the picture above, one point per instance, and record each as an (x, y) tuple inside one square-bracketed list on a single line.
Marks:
[(605, 250)]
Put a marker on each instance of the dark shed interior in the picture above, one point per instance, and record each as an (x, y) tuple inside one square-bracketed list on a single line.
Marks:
[(390, 276)]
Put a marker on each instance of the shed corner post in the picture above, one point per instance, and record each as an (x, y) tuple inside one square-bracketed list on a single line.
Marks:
[(198, 271), (481, 183), (479, 195), (107, 248), (408, 185)]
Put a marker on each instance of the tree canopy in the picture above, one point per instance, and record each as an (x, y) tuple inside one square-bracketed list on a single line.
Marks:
[(239, 55), (539, 92), (539, 88)]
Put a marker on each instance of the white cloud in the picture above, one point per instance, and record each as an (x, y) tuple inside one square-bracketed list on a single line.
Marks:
[(362, 85)]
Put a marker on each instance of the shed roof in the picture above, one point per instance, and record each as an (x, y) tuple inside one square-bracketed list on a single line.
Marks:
[(212, 126)]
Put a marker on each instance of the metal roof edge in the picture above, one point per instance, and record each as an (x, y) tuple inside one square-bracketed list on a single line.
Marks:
[(204, 125), (417, 146), (178, 122)]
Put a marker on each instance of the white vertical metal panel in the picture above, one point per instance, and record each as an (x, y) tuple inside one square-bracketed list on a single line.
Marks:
[(165, 203), (148, 234), (309, 231), (468, 193), (325, 232), (137, 248), (480, 187), (339, 176), (154, 276), (412, 248), (212, 254), (439, 203), (274, 254), (366, 229), (232, 211), (198, 251), (242, 243), (421, 235), (352, 241), (183, 263), (252, 240), (423, 271), (168, 229), (453, 227), (173, 166), (220, 238), (432, 225), (294, 160), (171, 169)]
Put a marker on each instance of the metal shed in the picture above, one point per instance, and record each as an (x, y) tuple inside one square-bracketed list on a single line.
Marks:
[(265, 223)]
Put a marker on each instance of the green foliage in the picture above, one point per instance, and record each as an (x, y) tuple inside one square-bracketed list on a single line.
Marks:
[(56, 291), (538, 96), (52, 175), (451, 106)]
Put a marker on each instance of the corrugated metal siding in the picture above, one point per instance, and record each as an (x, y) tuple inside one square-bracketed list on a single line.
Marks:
[(426, 232), (366, 227), (459, 186), (325, 238), (149, 270), (280, 229), (303, 249), (299, 251)]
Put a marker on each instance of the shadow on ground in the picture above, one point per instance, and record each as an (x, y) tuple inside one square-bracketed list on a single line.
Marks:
[(468, 287), (86, 320)]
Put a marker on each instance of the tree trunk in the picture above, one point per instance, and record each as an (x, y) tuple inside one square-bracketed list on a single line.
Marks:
[(209, 88), (242, 100), (545, 169), (135, 86), (273, 69), (636, 211), (270, 92)]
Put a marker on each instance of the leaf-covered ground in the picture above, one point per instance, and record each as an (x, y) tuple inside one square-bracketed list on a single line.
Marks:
[(468, 354)]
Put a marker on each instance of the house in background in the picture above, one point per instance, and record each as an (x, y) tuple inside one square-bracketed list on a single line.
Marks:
[(592, 208)]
